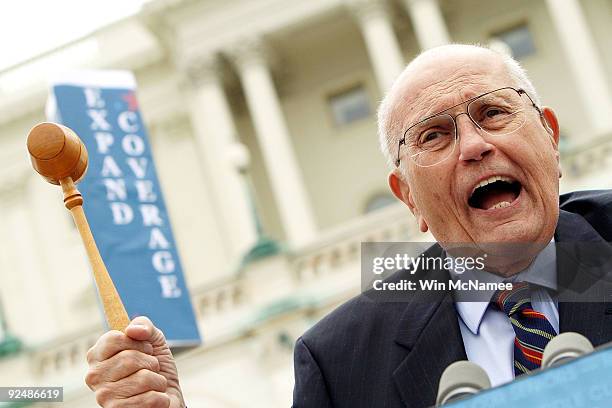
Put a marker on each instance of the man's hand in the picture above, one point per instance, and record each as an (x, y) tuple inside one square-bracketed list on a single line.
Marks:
[(134, 369)]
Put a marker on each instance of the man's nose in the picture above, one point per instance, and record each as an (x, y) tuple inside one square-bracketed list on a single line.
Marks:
[(472, 146)]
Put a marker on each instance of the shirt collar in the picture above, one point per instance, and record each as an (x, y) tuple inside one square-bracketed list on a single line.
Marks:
[(542, 272)]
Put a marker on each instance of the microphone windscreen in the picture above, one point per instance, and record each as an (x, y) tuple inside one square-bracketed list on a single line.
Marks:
[(565, 346), (460, 379)]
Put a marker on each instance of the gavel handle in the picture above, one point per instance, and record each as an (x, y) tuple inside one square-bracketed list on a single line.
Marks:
[(116, 316)]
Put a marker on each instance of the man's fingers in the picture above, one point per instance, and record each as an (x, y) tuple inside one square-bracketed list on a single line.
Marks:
[(119, 366), (124, 368), (140, 382), (111, 343), (149, 399)]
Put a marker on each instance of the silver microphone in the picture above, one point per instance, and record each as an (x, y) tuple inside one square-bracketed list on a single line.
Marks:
[(564, 347), (461, 379)]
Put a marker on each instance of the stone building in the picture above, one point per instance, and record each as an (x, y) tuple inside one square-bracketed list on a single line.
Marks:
[(297, 84)]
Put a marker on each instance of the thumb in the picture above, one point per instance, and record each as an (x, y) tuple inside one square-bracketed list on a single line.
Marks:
[(140, 328)]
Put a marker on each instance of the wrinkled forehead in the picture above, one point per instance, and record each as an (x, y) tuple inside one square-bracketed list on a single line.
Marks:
[(441, 81)]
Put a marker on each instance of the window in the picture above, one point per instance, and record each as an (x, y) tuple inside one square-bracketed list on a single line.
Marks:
[(378, 201), (350, 105), (518, 39)]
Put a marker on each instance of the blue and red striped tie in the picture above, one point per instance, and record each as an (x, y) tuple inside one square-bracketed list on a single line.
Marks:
[(532, 329)]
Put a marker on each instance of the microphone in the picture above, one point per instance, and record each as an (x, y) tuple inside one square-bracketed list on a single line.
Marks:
[(564, 347), (461, 379)]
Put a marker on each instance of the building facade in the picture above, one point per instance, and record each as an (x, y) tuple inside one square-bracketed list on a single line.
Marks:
[(267, 104)]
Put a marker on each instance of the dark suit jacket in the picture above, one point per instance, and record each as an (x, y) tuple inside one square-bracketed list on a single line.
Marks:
[(369, 353)]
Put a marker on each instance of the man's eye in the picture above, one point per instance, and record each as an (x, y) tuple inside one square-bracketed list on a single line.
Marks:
[(428, 137), (492, 112), (431, 136)]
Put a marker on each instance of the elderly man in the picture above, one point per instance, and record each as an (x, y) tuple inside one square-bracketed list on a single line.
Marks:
[(475, 159)]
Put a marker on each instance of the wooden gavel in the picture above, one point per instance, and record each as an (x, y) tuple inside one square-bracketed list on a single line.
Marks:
[(60, 157)]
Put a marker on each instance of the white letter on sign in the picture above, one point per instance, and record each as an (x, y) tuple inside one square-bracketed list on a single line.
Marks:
[(157, 239), (133, 145), (99, 119), (92, 96), (145, 191), (122, 213), (104, 140), (163, 262), (150, 215), (138, 166), (169, 286), (110, 167), (115, 189), (127, 121)]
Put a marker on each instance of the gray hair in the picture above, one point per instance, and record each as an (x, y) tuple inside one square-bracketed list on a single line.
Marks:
[(390, 129)]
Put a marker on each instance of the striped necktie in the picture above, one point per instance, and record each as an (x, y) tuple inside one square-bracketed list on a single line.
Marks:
[(532, 329)]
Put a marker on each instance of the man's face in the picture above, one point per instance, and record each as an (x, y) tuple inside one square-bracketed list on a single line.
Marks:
[(440, 195)]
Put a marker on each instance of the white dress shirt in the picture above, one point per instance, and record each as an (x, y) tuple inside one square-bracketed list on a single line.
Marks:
[(487, 333)]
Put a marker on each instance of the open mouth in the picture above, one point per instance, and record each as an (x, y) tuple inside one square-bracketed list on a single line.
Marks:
[(495, 192)]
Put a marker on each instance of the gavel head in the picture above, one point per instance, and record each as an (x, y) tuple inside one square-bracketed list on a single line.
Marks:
[(57, 152)]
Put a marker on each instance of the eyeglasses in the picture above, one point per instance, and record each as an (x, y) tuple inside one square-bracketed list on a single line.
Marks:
[(433, 139)]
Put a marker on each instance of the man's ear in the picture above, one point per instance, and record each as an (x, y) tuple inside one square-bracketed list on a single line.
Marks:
[(401, 190), (551, 123)]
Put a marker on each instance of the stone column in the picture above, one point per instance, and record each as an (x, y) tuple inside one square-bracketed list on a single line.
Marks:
[(428, 23), (249, 57), (27, 292), (215, 133), (381, 41), (51, 225), (584, 61)]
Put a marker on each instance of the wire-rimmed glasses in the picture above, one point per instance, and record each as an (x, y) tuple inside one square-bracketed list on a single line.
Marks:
[(433, 139)]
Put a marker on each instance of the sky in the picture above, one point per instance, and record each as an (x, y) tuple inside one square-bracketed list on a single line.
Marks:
[(31, 27)]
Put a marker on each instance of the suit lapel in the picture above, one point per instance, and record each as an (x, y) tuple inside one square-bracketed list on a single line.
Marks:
[(579, 310), (592, 320), (429, 331)]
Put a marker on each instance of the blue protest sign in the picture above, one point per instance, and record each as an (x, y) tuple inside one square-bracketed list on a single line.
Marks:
[(123, 200)]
